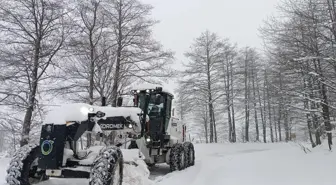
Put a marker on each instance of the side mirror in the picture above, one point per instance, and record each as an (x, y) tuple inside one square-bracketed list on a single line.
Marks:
[(119, 101), (173, 112)]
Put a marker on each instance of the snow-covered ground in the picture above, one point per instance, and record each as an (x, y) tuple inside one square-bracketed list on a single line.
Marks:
[(256, 164), (3, 166), (234, 164)]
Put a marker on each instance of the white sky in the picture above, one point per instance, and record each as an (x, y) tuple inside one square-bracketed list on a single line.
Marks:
[(181, 21)]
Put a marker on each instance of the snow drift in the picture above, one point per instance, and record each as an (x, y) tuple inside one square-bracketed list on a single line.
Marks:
[(138, 173)]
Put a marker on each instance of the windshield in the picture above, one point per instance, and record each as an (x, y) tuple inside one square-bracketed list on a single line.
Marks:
[(155, 105)]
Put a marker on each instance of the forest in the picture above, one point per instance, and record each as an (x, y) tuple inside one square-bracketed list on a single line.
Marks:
[(286, 92), (56, 51)]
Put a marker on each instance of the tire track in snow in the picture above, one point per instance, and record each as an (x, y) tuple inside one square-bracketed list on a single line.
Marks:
[(183, 176), (208, 167)]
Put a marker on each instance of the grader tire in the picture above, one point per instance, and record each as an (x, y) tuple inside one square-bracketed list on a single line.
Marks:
[(22, 168), (107, 168), (177, 157), (190, 154)]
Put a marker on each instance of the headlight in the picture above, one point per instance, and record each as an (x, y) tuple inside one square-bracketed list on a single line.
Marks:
[(86, 110), (148, 139)]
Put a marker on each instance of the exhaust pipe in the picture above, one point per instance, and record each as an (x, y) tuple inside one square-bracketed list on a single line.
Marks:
[(103, 101)]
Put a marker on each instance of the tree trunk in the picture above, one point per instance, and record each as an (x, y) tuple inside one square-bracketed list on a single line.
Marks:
[(116, 79), (313, 107), (261, 113), (27, 124), (91, 80), (227, 92), (279, 122), (214, 124), (316, 126), (211, 123), (286, 125), (92, 69), (230, 124), (280, 106), (247, 111), (31, 104), (210, 104), (234, 138), (206, 124), (275, 126), (306, 107), (325, 107), (255, 105), (310, 132), (269, 106)]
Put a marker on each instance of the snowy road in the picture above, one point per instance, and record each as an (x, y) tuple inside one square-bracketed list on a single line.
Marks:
[(237, 164), (256, 164)]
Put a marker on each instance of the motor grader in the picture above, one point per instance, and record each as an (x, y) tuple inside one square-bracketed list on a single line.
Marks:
[(148, 125)]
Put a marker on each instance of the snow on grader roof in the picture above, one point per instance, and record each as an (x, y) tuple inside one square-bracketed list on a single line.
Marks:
[(143, 87), (79, 112)]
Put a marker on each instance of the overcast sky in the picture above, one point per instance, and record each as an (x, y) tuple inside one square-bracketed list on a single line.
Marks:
[(181, 21)]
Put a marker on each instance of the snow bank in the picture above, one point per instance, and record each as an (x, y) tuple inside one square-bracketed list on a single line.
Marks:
[(138, 173), (4, 154), (93, 152), (3, 167)]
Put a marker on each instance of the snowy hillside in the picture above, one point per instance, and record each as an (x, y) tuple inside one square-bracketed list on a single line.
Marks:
[(234, 164)]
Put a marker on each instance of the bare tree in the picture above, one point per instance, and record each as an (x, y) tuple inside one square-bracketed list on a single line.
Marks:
[(267, 87), (33, 32), (262, 112), (233, 134), (254, 81), (303, 45), (247, 93), (246, 71), (226, 65), (91, 60), (184, 102), (201, 117), (138, 55), (201, 73)]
